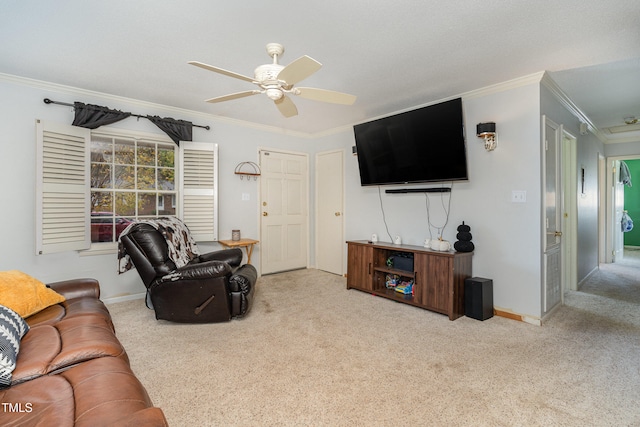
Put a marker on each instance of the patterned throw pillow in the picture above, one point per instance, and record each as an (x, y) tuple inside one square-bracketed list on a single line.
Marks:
[(12, 329)]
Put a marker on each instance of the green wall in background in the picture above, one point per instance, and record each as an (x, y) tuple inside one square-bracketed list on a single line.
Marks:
[(632, 203)]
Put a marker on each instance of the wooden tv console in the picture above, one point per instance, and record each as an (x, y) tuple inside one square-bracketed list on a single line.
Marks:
[(438, 276)]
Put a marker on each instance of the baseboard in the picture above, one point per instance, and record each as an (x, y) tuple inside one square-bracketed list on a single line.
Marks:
[(123, 298), (516, 316), (585, 278)]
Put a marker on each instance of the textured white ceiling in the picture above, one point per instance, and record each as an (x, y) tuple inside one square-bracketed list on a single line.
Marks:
[(607, 94), (391, 54)]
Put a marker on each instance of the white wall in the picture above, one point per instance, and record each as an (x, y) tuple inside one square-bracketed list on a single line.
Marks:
[(623, 149), (589, 147), (22, 103), (506, 234)]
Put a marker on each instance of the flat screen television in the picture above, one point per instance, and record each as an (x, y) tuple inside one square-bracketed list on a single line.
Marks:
[(418, 146)]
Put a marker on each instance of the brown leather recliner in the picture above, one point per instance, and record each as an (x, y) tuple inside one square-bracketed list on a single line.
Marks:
[(212, 287)]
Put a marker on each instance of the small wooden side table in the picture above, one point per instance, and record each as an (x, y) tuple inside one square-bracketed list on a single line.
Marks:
[(247, 244)]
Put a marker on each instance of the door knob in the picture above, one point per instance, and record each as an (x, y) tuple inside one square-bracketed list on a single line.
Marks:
[(337, 214), (265, 214), (558, 234)]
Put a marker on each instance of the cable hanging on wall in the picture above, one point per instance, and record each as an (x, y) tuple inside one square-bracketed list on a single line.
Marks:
[(248, 169)]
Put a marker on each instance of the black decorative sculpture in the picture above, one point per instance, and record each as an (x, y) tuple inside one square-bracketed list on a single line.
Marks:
[(464, 243)]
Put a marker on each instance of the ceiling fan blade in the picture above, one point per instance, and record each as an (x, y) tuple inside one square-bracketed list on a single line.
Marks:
[(233, 96), (299, 70), (286, 106), (221, 71), (325, 95)]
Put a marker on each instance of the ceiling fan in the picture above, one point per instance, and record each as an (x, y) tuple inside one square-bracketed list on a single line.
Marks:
[(277, 81)]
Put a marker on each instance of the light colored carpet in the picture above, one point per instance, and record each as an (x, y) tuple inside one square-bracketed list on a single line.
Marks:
[(619, 281), (312, 353)]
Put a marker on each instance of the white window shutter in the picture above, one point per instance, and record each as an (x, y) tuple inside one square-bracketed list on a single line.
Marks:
[(62, 188), (199, 189)]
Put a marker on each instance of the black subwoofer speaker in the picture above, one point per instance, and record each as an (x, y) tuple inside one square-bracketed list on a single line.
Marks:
[(478, 298)]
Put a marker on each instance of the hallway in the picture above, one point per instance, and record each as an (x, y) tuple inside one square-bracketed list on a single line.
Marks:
[(612, 292), (619, 281)]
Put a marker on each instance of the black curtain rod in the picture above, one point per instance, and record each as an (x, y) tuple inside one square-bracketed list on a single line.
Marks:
[(48, 101)]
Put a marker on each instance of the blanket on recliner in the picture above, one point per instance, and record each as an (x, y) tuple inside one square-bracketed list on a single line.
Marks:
[(182, 247)]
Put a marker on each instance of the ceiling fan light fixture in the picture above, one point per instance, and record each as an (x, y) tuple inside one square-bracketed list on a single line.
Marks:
[(630, 120), (267, 73), (277, 80), (274, 94)]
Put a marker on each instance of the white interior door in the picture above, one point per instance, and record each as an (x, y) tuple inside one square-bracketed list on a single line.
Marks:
[(618, 208), (284, 208), (552, 255), (329, 211), (603, 200)]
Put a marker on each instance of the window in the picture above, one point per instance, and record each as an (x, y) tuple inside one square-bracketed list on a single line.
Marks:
[(130, 179), (91, 184)]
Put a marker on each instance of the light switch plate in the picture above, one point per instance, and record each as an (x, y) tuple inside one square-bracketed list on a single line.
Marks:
[(518, 196)]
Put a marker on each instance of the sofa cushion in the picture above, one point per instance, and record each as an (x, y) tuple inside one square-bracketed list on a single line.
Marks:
[(49, 349), (108, 393), (82, 298), (12, 329), (24, 294), (100, 392), (70, 308), (49, 315), (46, 401)]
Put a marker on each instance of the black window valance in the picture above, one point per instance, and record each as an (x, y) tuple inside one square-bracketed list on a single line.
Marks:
[(178, 130), (93, 116)]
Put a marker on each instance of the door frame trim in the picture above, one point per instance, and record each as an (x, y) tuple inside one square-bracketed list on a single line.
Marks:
[(607, 245), (316, 213)]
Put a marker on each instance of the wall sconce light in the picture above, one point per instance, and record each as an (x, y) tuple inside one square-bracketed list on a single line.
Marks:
[(488, 132)]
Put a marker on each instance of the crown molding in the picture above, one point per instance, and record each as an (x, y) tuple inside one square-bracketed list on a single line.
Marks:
[(476, 93), (562, 97), (539, 77), (503, 86), (71, 90)]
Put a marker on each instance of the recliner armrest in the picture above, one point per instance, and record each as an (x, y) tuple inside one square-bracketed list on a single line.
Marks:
[(244, 279), (242, 287), (232, 256), (203, 270)]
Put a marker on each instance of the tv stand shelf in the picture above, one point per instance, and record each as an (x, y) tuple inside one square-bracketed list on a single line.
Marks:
[(438, 276)]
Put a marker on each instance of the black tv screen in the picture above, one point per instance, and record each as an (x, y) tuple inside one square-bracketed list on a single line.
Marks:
[(422, 145)]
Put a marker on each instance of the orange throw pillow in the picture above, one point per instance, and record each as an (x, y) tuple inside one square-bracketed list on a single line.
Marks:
[(24, 294)]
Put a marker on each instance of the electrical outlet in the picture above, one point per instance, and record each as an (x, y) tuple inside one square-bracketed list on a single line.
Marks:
[(518, 196)]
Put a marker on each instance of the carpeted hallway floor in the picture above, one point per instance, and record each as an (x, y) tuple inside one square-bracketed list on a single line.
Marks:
[(312, 353), (619, 281)]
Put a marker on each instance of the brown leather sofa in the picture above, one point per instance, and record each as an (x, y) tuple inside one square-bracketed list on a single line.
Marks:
[(72, 370)]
